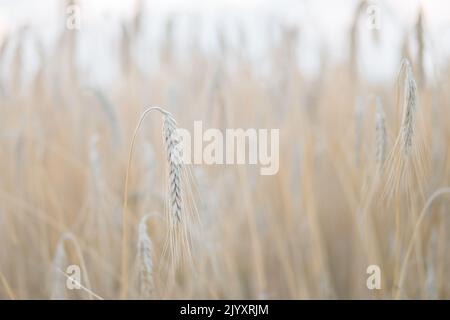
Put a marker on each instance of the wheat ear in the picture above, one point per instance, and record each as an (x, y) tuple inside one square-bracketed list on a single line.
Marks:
[(60, 262), (409, 107), (172, 142), (124, 266), (145, 259)]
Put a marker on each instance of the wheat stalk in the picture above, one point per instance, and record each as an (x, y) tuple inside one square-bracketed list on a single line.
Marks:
[(416, 235)]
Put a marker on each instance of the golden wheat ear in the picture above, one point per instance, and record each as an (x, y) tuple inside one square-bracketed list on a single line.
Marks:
[(178, 238)]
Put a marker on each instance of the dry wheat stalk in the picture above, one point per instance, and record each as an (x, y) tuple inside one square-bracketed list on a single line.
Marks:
[(416, 235)]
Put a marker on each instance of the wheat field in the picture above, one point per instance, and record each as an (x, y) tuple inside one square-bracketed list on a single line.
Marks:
[(363, 179)]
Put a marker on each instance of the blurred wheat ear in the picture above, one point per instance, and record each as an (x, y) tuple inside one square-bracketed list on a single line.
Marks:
[(145, 259), (60, 263), (409, 108)]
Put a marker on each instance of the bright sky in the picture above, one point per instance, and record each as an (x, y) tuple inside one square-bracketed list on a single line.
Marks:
[(19, 11), (321, 23)]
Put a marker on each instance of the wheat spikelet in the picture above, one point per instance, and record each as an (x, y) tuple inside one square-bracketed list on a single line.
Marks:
[(145, 260), (172, 142), (381, 136)]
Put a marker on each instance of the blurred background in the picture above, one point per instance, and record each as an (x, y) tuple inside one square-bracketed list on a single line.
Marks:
[(358, 89), (247, 27)]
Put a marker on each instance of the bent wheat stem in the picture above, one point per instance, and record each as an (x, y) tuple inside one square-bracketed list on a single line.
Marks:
[(124, 266)]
